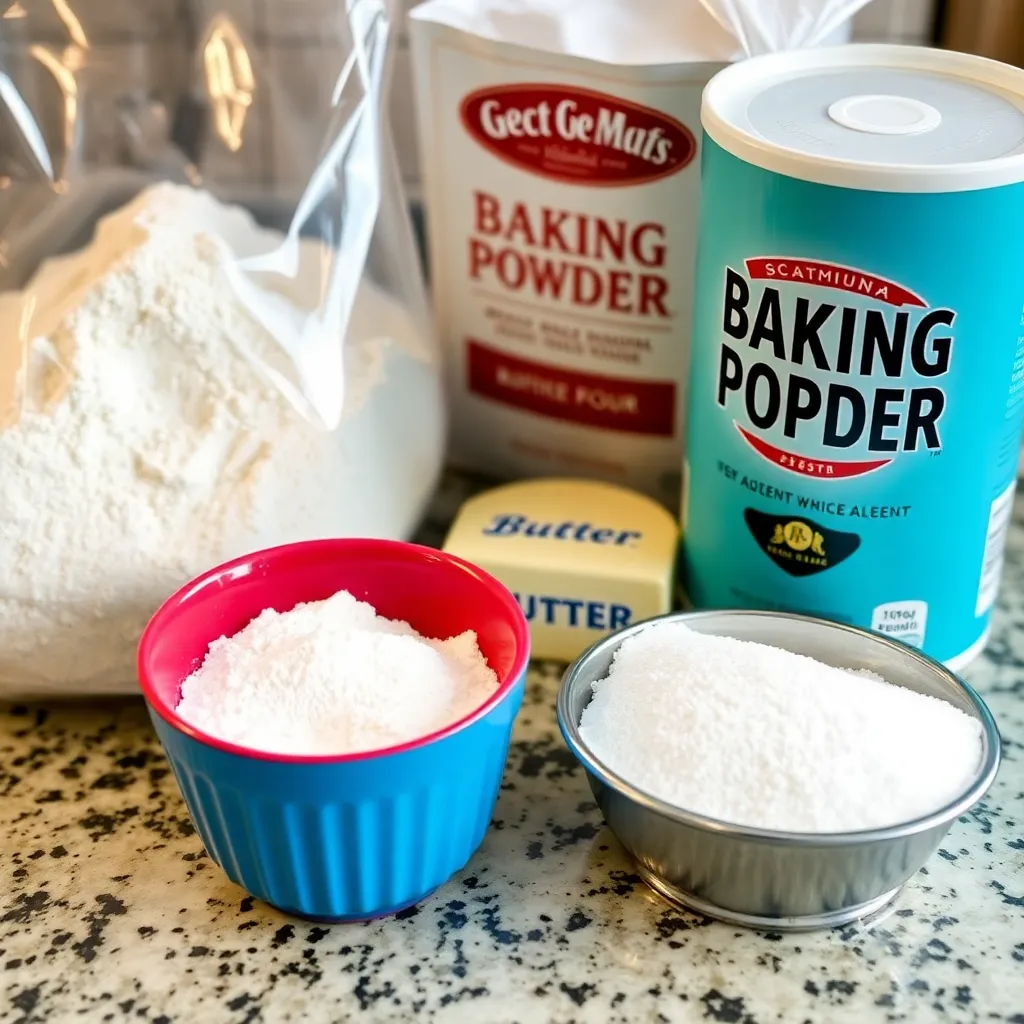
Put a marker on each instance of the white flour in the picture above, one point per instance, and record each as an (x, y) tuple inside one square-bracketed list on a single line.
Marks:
[(332, 677), (757, 736), (141, 440)]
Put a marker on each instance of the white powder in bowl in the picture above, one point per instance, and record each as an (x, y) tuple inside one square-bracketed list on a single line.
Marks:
[(757, 736), (333, 677)]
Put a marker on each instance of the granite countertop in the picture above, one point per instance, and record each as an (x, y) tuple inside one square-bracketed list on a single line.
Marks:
[(112, 911)]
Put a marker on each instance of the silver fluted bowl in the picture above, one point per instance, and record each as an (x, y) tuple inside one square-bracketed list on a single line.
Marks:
[(757, 877)]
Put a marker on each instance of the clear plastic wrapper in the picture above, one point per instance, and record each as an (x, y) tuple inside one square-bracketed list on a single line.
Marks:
[(213, 331), (767, 26)]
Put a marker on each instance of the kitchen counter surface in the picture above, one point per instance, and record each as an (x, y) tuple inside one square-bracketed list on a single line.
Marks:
[(111, 910)]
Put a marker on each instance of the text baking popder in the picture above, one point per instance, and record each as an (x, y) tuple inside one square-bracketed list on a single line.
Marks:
[(856, 344)]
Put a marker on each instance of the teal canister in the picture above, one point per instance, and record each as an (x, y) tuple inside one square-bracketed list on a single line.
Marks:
[(857, 377)]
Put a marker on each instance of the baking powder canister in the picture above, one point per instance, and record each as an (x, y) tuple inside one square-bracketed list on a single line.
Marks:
[(857, 377)]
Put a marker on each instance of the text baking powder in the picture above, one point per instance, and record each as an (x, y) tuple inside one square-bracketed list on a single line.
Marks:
[(756, 736), (333, 677)]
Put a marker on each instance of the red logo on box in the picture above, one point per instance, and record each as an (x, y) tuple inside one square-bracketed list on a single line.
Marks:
[(593, 400), (577, 135)]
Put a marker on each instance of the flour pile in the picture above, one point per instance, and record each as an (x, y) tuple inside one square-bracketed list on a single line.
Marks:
[(333, 677), (753, 735), (153, 423)]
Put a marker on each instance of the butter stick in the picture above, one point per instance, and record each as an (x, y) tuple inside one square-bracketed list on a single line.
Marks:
[(583, 558)]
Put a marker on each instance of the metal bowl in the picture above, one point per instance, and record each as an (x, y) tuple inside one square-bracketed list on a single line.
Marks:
[(757, 877)]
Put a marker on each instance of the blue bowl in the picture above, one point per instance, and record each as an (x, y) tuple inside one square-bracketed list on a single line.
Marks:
[(352, 837)]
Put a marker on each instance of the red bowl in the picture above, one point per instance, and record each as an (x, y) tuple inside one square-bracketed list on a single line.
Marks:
[(438, 594)]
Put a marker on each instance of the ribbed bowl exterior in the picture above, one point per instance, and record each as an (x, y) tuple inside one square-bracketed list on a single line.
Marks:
[(350, 839)]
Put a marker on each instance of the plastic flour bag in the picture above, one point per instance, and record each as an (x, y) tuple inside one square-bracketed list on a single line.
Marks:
[(560, 144), (214, 335)]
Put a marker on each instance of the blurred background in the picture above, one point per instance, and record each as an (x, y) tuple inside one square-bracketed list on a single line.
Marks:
[(902, 21), (236, 88), (81, 44), (992, 28)]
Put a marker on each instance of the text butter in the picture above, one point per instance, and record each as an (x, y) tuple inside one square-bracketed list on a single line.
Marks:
[(583, 558)]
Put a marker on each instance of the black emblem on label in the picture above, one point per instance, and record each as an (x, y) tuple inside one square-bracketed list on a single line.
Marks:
[(799, 546)]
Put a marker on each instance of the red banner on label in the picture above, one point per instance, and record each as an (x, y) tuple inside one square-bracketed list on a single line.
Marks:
[(831, 275), (612, 403), (823, 469)]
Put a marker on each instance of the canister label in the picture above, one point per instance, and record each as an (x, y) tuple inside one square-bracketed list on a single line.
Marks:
[(855, 403)]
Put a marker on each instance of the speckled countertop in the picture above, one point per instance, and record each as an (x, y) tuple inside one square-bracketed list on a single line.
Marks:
[(111, 910)]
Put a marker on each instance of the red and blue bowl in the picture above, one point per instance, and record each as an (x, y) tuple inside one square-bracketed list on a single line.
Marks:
[(352, 836)]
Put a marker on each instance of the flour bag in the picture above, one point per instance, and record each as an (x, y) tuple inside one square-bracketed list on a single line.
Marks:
[(559, 143), (214, 336)]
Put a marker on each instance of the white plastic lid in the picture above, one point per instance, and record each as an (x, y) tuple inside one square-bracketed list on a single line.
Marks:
[(884, 118)]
